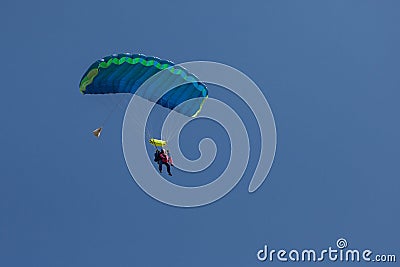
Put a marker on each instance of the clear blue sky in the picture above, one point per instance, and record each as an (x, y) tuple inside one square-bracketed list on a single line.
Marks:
[(329, 69)]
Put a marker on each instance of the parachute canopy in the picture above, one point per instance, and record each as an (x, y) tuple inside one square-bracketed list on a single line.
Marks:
[(125, 73)]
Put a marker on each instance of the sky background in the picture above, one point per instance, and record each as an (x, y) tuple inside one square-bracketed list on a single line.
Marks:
[(329, 70)]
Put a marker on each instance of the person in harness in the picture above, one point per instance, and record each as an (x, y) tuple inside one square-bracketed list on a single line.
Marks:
[(163, 157)]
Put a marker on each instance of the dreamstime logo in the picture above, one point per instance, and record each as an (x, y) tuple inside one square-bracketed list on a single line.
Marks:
[(341, 254), (341, 243), (147, 177)]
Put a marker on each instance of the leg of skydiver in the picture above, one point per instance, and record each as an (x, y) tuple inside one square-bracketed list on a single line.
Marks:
[(160, 166), (168, 168)]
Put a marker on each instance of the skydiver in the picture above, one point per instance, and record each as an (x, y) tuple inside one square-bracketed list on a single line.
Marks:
[(157, 155), (166, 160)]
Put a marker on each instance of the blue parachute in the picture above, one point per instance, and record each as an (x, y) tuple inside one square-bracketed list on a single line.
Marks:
[(125, 73)]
